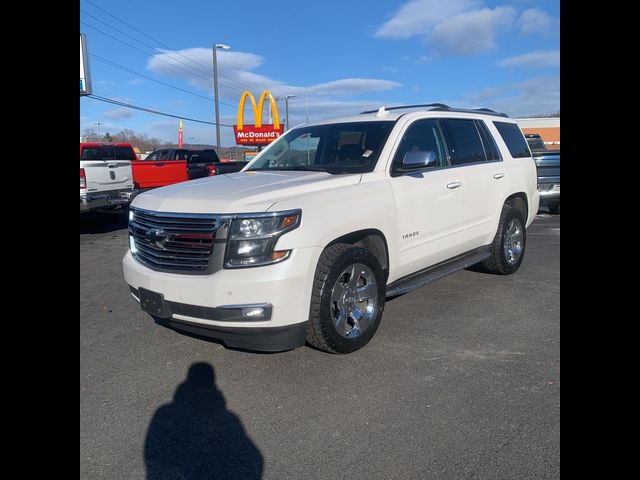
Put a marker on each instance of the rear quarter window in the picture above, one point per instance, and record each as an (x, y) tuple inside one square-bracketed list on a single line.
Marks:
[(514, 139)]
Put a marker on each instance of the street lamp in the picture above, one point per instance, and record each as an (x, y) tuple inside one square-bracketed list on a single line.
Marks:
[(98, 124), (190, 142), (216, 46), (286, 107)]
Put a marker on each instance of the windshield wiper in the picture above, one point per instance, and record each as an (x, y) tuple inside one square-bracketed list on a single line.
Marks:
[(301, 168)]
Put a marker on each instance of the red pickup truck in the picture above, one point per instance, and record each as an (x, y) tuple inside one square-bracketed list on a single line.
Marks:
[(160, 168)]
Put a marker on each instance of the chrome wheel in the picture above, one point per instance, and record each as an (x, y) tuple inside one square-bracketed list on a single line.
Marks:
[(354, 300), (513, 236)]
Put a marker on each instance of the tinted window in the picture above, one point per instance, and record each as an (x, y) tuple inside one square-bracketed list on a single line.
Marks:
[(463, 141), (203, 156), (512, 136), (125, 153), (153, 156), (98, 153), (490, 147), (163, 155), (421, 136)]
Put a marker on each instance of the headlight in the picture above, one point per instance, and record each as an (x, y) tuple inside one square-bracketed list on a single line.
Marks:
[(252, 238)]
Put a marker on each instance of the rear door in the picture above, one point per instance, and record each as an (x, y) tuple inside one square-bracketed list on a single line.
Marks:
[(107, 167), (486, 183)]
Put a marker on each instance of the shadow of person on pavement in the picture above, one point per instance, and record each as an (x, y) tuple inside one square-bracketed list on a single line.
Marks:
[(196, 437)]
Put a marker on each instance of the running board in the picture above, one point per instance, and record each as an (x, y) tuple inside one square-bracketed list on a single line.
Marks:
[(436, 272)]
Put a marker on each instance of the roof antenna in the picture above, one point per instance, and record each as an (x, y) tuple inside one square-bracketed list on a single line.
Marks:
[(381, 112)]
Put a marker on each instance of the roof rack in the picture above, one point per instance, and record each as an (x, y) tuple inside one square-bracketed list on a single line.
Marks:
[(441, 107)]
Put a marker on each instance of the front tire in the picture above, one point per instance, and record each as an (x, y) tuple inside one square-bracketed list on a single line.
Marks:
[(508, 247), (347, 299)]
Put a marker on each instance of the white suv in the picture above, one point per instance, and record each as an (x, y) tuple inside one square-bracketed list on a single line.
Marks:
[(329, 220)]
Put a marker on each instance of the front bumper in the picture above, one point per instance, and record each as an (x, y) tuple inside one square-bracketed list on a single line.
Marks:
[(108, 199), (211, 305)]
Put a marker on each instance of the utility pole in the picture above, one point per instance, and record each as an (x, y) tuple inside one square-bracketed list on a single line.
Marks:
[(216, 46)]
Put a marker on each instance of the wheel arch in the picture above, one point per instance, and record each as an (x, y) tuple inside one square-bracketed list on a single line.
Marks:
[(373, 240), (520, 202)]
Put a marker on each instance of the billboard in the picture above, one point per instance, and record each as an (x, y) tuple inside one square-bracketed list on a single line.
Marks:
[(258, 133), (85, 75)]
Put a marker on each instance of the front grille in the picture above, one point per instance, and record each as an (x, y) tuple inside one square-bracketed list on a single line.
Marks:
[(173, 242)]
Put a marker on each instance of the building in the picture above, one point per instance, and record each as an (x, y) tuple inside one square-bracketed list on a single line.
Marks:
[(548, 128)]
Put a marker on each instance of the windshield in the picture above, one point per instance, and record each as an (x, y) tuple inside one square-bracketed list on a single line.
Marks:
[(333, 148)]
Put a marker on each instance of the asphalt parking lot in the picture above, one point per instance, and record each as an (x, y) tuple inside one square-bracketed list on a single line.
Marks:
[(461, 381)]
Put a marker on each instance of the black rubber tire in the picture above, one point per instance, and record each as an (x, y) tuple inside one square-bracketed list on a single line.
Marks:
[(321, 332), (554, 206), (497, 262)]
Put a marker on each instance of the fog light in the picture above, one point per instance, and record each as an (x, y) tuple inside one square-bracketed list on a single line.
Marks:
[(253, 312)]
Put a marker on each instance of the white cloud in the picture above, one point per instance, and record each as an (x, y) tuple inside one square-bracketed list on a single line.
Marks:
[(235, 75), (535, 21), (531, 97), (118, 114), (104, 83), (540, 59), (471, 32), (460, 27), (136, 81), (417, 17)]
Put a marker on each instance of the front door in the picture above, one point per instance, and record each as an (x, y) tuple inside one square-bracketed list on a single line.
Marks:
[(429, 202)]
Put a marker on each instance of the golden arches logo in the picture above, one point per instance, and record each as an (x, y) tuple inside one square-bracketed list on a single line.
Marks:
[(257, 109)]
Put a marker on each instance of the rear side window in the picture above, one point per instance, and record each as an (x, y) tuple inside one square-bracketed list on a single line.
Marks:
[(490, 147), (125, 153), (98, 153), (463, 141), (514, 139)]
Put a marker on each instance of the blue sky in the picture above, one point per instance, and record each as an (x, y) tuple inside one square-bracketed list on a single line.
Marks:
[(337, 57)]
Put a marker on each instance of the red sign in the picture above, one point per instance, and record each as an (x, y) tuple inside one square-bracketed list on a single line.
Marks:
[(257, 134), (252, 135)]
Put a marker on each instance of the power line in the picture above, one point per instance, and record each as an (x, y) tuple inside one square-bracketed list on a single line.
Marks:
[(140, 42), (109, 62), (142, 51), (244, 87), (150, 110)]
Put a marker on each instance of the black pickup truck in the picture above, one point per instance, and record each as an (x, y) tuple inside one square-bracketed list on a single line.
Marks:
[(204, 163), (548, 165)]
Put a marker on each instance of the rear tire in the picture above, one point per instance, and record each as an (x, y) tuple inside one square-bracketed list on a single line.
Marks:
[(508, 247), (554, 207), (347, 299)]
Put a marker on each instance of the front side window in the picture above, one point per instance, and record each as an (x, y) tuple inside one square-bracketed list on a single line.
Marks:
[(333, 148), (514, 139), (152, 157), (421, 136), (463, 141)]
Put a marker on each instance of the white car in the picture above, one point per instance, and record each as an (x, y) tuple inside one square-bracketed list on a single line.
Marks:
[(310, 238)]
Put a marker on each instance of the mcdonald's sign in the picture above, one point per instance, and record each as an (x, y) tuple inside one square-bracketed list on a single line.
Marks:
[(258, 133)]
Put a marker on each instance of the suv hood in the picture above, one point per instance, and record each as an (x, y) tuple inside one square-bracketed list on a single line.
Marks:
[(240, 192)]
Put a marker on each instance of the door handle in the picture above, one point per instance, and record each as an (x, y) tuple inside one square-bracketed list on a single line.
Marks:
[(452, 185), (161, 164), (112, 165), (498, 175)]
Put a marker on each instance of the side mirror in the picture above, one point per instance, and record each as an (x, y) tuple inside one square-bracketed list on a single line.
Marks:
[(419, 159)]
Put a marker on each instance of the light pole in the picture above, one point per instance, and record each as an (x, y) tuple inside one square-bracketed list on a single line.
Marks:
[(286, 108), (190, 142), (98, 124), (216, 46)]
